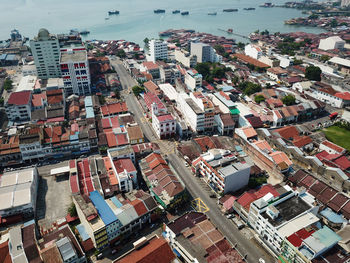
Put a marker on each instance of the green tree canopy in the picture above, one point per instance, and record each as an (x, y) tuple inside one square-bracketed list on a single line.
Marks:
[(313, 73), (7, 84), (249, 88), (220, 49), (121, 53), (138, 90), (288, 100), (259, 98)]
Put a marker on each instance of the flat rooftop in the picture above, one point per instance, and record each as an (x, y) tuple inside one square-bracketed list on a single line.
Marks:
[(288, 210), (73, 56), (194, 106)]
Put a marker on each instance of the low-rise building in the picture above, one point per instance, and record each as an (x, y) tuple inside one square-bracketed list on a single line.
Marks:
[(253, 51), (185, 58), (163, 123), (276, 218), (333, 42), (18, 106), (193, 79), (276, 73), (222, 170), (18, 191), (161, 180)]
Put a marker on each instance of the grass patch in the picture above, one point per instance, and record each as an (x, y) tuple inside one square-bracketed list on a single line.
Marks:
[(338, 135)]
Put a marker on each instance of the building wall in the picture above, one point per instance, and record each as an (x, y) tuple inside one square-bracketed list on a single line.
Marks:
[(187, 60), (237, 180), (328, 44), (76, 76), (251, 51), (31, 151), (18, 112), (329, 99)]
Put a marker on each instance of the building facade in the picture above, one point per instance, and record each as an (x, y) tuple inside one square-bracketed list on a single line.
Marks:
[(158, 50)]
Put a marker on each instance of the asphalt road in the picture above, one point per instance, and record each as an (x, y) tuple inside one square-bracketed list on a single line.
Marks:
[(243, 245)]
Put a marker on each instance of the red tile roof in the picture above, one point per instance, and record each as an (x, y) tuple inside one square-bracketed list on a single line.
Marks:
[(295, 240), (157, 250), (166, 117), (150, 65), (337, 202), (152, 87), (302, 141), (343, 95), (139, 206), (5, 256), (126, 164), (114, 108), (19, 98), (327, 195), (333, 146), (251, 60)]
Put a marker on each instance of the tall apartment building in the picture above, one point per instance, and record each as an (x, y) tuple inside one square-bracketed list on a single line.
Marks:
[(204, 53), (75, 70), (158, 49), (46, 51)]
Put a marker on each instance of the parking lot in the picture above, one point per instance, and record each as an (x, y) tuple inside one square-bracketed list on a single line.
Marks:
[(54, 198)]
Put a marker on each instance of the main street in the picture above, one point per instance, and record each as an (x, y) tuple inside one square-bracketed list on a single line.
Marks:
[(246, 247)]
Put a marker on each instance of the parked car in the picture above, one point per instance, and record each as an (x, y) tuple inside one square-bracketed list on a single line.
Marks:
[(212, 195), (100, 256), (229, 216)]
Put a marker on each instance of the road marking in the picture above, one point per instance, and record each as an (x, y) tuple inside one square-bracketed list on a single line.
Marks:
[(199, 205)]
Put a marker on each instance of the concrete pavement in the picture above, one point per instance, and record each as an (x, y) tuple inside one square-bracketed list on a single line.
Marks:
[(244, 246)]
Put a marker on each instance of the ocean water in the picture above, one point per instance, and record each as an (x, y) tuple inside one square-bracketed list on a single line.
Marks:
[(137, 20)]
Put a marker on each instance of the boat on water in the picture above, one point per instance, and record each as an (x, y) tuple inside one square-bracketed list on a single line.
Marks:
[(176, 12), (159, 11), (84, 32), (249, 8), (267, 5), (106, 18), (212, 14), (115, 12), (230, 10), (185, 13), (230, 30)]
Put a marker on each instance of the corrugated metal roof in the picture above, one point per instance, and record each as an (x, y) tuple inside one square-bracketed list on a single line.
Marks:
[(104, 211), (82, 232), (116, 202)]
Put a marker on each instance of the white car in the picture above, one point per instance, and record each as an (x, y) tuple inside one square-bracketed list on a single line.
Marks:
[(261, 260)]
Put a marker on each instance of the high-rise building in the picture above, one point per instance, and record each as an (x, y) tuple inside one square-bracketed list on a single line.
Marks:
[(75, 70), (46, 51), (158, 49), (204, 53)]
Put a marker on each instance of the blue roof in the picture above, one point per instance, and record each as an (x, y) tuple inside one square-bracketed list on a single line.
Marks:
[(3, 56), (90, 112), (88, 101), (74, 137), (103, 209), (11, 57), (28, 223), (116, 202), (326, 236), (227, 88), (332, 216), (82, 232)]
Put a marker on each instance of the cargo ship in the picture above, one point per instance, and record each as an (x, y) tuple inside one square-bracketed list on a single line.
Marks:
[(249, 8), (230, 10), (84, 32), (159, 11), (185, 13), (115, 12), (176, 11), (212, 14)]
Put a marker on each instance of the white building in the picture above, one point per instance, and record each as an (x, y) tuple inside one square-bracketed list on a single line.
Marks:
[(332, 97), (253, 51), (18, 191), (204, 53), (75, 71), (158, 50), (29, 69), (18, 106), (198, 111), (276, 218), (185, 58), (222, 170), (169, 91), (193, 79), (329, 43), (164, 124), (46, 51)]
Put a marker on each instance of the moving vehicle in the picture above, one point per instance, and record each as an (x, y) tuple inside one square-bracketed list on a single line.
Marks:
[(176, 12), (230, 10), (115, 12), (185, 13)]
